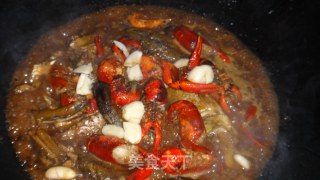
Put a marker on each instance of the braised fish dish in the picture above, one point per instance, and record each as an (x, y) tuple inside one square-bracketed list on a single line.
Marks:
[(142, 92)]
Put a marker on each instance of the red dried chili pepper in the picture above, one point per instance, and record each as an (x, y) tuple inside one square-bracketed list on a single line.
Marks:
[(92, 106), (99, 45), (250, 113), (57, 82)]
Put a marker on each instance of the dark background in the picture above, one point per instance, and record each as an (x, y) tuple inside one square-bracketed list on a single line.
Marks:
[(282, 33)]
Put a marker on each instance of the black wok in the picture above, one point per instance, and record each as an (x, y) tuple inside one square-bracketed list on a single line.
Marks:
[(281, 32)]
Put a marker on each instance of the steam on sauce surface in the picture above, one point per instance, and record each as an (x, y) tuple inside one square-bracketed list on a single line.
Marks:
[(142, 90)]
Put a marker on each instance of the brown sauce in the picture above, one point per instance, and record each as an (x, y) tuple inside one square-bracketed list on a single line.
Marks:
[(73, 45)]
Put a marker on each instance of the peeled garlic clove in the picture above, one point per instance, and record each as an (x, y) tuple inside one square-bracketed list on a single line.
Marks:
[(133, 59), (181, 63), (84, 85), (201, 74), (133, 112), (122, 47), (134, 73), (84, 69), (113, 130), (242, 161), (60, 172), (41, 69), (124, 152), (132, 132)]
